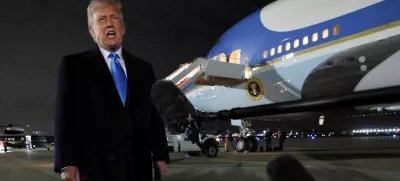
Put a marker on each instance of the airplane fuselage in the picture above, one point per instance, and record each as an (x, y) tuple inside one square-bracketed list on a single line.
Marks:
[(296, 50)]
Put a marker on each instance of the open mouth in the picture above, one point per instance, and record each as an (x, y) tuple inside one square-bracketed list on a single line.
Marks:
[(111, 34)]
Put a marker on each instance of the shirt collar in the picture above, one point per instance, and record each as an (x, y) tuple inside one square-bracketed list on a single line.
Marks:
[(105, 52)]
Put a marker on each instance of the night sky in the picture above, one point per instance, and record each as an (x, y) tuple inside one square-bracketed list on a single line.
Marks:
[(36, 34)]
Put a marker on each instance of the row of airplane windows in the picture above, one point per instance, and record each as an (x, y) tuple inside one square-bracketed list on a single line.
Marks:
[(296, 43), (235, 55)]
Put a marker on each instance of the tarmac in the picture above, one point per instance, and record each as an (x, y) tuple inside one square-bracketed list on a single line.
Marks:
[(326, 159)]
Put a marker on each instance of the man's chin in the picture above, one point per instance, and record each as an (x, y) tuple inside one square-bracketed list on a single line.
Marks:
[(113, 47)]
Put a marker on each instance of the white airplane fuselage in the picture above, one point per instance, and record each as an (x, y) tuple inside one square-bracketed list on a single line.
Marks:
[(305, 49)]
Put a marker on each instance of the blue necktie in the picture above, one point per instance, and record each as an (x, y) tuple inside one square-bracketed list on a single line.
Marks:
[(118, 75)]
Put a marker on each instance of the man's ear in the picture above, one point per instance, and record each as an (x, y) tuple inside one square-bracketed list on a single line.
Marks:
[(91, 30)]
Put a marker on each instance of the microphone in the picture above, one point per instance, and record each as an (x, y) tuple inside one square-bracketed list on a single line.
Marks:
[(170, 102), (287, 168)]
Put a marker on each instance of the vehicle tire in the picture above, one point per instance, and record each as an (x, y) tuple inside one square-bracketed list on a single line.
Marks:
[(252, 144), (211, 147), (241, 144)]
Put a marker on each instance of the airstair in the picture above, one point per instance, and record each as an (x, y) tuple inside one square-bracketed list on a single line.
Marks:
[(208, 72)]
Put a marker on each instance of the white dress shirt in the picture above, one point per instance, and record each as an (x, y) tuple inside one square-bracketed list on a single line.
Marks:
[(106, 53)]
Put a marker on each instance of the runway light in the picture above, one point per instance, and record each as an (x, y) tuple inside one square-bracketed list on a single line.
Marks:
[(313, 137), (394, 136)]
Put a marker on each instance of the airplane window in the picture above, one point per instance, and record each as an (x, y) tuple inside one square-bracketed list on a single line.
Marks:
[(287, 47), (280, 49), (315, 37), (336, 30), (305, 40), (325, 33), (296, 43), (265, 54), (272, 52)]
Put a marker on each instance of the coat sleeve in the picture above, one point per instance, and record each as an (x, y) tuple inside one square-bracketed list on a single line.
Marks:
[(159, 138), (66, 152)]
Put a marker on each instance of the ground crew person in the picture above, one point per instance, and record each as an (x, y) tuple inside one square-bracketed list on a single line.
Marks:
[(268, 140), (282, 138)]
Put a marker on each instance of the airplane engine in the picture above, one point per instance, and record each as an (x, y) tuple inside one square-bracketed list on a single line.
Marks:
[(12, 129)]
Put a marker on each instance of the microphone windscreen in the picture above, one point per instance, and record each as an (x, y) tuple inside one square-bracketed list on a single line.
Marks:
[(170, 101), (287, 168)]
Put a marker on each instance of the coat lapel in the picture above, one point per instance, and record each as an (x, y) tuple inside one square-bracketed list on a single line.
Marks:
[(130, 71)]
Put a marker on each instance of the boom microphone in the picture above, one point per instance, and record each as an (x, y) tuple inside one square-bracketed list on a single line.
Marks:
[(170, 102), (287, 168)]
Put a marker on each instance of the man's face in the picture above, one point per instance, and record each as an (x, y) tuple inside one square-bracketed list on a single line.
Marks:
[(107, 28)]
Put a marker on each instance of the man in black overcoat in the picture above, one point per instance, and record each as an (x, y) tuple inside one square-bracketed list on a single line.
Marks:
[(106, 127)]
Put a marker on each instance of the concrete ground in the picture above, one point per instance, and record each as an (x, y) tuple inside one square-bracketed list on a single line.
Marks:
[(326, 159)]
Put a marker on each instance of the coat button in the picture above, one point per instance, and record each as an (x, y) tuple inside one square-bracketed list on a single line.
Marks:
[(111, 158)]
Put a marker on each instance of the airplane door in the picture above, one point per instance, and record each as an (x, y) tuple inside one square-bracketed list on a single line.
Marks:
[(235, 57)]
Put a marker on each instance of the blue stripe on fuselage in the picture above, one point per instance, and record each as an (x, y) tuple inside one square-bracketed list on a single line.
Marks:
[(253, 38)]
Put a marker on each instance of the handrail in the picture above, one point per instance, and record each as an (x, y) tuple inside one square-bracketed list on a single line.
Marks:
[(178, 71)]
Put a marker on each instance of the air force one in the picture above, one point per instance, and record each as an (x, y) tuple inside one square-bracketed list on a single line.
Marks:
[(292, 50)]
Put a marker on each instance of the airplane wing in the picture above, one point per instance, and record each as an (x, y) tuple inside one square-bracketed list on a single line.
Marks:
[(178, 104), (362, 98)]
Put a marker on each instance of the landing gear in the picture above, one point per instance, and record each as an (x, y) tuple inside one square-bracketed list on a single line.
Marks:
[(211, 148), (241, 145), (253, 143), (246, 144)]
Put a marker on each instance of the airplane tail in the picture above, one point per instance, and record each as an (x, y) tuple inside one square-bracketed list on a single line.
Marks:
[(170, 102)]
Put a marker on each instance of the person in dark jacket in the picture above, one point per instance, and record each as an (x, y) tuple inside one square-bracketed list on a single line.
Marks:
[(268, 140), (106, 91)]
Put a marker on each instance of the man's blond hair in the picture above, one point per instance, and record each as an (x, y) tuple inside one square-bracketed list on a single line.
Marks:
[(94, 4)]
